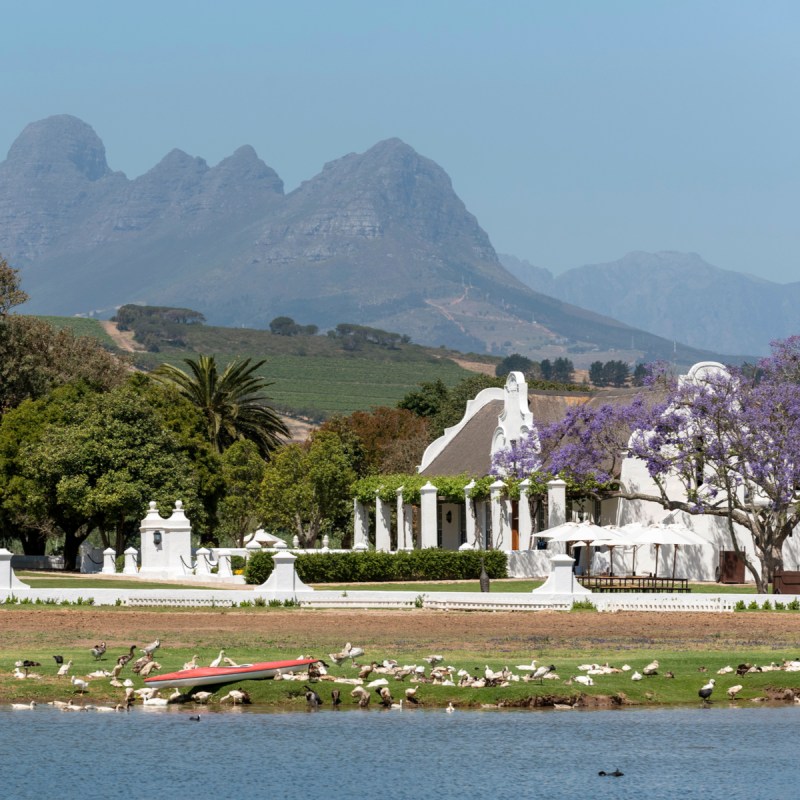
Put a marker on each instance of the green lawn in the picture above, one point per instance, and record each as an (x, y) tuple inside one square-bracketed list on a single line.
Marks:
[(691, 669), (50, 580)]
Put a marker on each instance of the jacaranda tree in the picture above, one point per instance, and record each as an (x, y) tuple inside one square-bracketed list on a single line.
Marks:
[(725, 445)]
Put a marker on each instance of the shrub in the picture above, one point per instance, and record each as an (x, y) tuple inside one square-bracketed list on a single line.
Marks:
[(259, 568), (430, 564), (740, 606), (793, 605), (767, 606), (753, 606), (238, 562), (780, 606), (583, 605)]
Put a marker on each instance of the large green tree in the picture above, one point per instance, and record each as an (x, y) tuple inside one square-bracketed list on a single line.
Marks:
[(242, 474), (35, 358), (11, 293), (232, 404), (306, 488), (79, 460)]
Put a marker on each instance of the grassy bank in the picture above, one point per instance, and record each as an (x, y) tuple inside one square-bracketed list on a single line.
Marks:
[(691, 646)]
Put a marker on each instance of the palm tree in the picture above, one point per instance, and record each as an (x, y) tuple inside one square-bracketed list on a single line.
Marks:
[(231, 403)]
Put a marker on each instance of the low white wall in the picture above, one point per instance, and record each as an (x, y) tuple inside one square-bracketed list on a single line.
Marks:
[(445, 601)]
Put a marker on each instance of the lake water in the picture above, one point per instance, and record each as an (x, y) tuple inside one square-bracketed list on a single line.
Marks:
[(720, 753)]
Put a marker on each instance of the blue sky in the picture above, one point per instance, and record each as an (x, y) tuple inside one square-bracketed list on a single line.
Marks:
[(574, 131)]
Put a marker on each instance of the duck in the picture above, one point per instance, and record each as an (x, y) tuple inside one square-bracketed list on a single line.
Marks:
[(140, 662), (152, 647), (312, 698), (343, 654), (98, 651), (411, 695), (149, 667), (201, 697), (236, 696), (24, 706), (734, 690), (80, 686), (155, 701), (542, 671), (218, 660), (705, 691), (450, 708), (192, 664), (64, 669), (124, 659), (651, 668)]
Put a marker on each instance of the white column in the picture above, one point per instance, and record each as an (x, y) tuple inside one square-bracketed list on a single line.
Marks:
[(408, 526), (153, 554), (8, 580), (561, 580), (525, 521), (499, 536), (178, 541), (224, 564), (383, 524), (401, 521), (109, 561), (469, 521), (252, 547), (130, 561), (203, 566), (428, 508), (360, 531), (556, 503), (283, 583), (480, 524)]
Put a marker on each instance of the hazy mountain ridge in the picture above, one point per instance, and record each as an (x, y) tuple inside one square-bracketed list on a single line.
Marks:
[(678, 296), (377, 238)]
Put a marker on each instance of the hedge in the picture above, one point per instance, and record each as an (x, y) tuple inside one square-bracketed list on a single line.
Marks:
[(259, 568), (430, 564)]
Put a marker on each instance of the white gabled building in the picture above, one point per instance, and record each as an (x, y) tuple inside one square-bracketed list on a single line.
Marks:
[(493, 420)]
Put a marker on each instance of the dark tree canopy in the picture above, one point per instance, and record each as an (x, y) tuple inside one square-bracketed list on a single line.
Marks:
[(513, 363)]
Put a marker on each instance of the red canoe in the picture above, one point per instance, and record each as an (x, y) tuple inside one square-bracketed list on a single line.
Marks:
[(202, 676)]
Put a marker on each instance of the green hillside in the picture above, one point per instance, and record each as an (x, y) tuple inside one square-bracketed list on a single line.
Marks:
[(312, 375), (81, 326)]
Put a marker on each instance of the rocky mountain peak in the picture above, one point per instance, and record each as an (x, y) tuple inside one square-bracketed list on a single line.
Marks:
[(57, 145)]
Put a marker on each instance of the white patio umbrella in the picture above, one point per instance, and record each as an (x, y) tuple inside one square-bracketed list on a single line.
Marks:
[(659, 534), (631, 531), (584, 532), (554, 534), (612, 538)]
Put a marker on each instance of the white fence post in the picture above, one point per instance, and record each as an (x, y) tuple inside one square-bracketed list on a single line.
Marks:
[(109, 561), (130, 567)]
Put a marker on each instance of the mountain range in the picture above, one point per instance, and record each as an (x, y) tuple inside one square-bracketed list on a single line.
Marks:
[(378, 238), (678, 296)]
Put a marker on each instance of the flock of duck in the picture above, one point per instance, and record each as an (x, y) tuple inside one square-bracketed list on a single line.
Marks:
[(369, 680)]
